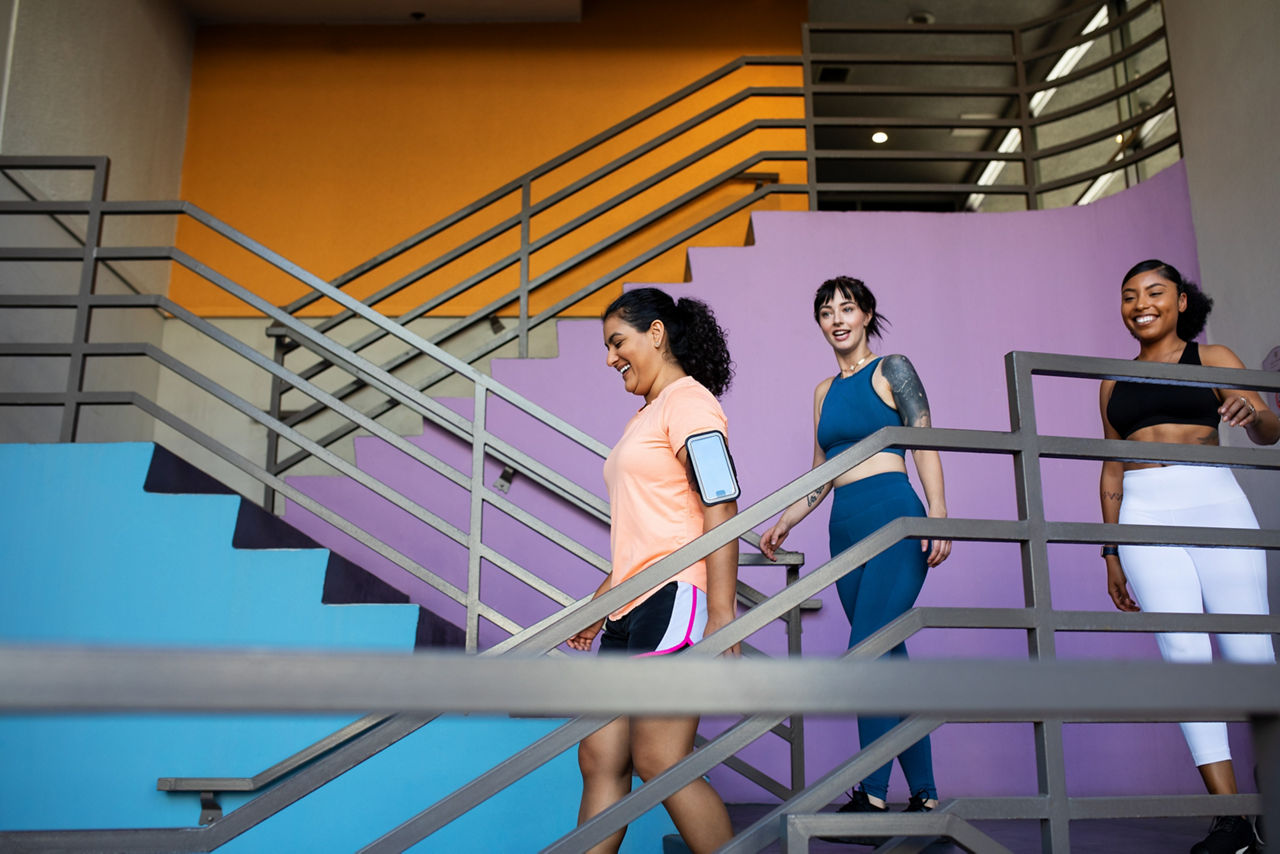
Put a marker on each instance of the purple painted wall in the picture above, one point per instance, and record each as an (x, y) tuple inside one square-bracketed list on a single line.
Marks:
[(961, 290)]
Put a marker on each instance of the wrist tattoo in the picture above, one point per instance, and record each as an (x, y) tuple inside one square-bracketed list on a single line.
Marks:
[(908, 391)]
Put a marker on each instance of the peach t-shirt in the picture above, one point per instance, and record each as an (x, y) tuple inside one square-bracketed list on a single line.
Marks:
[(655, 509)]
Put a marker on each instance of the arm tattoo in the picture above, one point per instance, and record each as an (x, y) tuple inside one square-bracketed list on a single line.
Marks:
[(908, 391), (1113, 496), (814, 497)]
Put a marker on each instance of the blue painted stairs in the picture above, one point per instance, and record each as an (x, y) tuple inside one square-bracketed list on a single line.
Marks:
[(91, 557)]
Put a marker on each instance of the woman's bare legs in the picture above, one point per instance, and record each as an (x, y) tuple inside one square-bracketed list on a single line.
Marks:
[(604, 757), (698, 812), (1219, 777)]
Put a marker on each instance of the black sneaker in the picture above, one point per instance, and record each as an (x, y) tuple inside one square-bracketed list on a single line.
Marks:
[(859, 802), (917, 804), (1230, 834)]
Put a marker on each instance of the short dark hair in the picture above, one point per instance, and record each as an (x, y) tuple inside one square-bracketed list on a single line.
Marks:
[(696, 340), (856, 290), (1191, 320)]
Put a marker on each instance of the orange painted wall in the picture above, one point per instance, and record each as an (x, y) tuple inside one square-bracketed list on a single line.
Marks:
[(330, 145)]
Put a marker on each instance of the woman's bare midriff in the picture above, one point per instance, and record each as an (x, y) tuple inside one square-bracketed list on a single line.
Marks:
[(879, 464), (1171, 434)]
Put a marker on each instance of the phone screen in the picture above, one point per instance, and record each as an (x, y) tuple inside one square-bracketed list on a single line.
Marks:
[(712, 467)]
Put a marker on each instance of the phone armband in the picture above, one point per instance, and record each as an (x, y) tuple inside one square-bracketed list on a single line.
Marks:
[(713, 470)]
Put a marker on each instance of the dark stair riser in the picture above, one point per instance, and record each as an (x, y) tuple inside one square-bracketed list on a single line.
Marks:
[(345, 583)]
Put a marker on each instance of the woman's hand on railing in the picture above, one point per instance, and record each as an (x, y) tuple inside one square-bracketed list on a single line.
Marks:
[(939, 550), (771, 540), (582, 640)]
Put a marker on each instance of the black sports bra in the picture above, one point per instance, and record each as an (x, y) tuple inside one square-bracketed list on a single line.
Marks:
[(1135, 405)]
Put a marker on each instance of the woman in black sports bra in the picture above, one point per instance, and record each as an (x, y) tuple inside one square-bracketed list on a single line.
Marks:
[(1164, 313)]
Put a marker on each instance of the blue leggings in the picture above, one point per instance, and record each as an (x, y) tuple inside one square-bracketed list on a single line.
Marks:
[(877, 592)]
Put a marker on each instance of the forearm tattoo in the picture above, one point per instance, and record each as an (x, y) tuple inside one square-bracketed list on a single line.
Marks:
[(908, 391), (1113, 496), (814, 497)]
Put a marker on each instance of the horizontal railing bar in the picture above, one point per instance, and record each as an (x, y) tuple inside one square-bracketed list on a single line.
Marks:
[(1080, 621), (1136, 156), (1113, 24), (935, 822), (1131, 451), (37, 253), (1099, 368), (914, 122), (918, 187), (1117, 806), (913, 29), (916, 154), (1107, 97), (1058, 15), (101, 679), (912, 59), (1132, 121), (1161, 535), (913, 91), (41, 162), (275, 772), (1080, 73)]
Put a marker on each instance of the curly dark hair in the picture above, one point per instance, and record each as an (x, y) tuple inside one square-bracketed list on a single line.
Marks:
[(856, 290), (1191, 320), (696, 340)]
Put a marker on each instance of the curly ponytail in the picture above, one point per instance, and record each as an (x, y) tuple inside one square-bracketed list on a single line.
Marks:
[(1191, 320), (696, 340)]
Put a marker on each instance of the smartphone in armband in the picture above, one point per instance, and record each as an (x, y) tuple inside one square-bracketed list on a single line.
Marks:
[(713, 469)]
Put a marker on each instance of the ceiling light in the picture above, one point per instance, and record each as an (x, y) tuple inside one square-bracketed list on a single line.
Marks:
[(879, 137), (1119, 137), (921, 16)]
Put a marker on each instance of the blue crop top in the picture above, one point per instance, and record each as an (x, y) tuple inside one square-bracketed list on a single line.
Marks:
[(1134, 405), (852, 411)]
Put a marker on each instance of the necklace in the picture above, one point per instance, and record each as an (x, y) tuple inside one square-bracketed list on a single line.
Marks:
[(856, 365)]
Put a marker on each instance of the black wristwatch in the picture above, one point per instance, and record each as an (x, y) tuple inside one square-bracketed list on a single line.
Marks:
[(1110, 550)]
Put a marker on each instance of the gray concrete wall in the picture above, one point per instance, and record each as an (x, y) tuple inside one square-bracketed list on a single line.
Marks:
[(87, 78), (1227, 77)]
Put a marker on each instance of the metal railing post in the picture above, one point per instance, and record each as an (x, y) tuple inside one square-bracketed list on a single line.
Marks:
[(475, 529), (1027, 124), (526, 202), (88, 280), (810, 143), (1051, 775)]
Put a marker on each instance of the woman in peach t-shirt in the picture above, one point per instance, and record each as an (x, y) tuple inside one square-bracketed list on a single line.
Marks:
[(673, 354)]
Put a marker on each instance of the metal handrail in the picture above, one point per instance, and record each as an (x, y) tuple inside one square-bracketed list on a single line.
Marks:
[(1023, 443), (467, 428)]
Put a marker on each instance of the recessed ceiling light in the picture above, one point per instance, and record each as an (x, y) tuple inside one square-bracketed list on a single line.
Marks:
[(1119, 137), (879, 137), (921, 16)]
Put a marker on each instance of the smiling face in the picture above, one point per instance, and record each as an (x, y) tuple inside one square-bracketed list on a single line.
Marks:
[(843, 323), (1149, 306), (636, 355)]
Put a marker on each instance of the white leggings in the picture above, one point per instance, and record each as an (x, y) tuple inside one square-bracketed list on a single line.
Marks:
[(1179, 580)]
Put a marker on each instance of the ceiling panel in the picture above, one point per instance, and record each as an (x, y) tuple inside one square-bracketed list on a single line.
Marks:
[(380, 11)]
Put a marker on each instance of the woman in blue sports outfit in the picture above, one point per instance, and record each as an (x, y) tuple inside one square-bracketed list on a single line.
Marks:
[(868, 393)]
